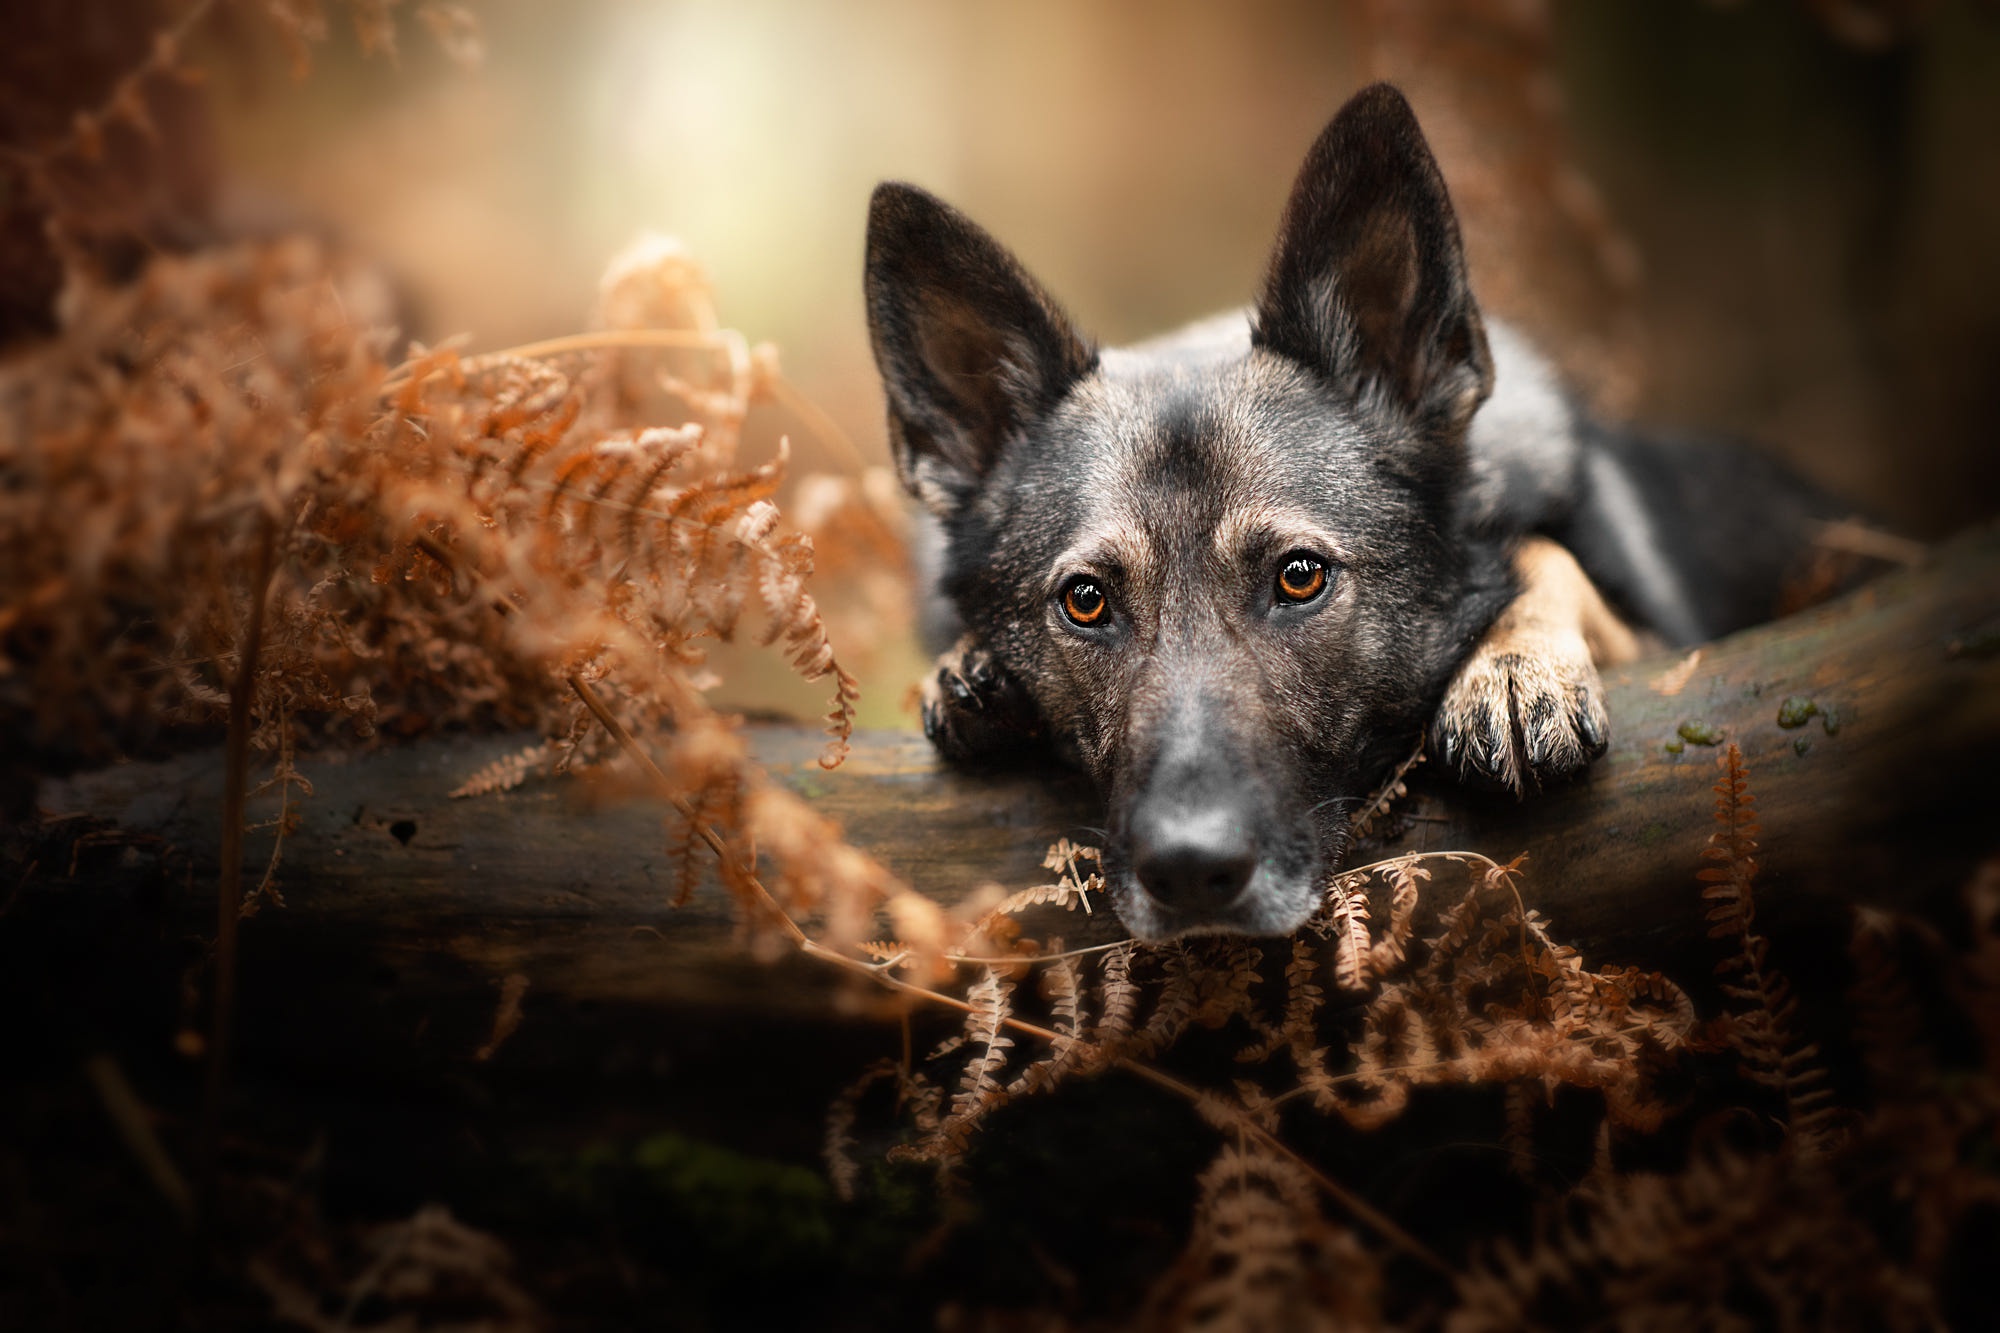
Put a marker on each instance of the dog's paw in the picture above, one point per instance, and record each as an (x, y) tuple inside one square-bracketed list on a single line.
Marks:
[(1525, 711), (975, 709)]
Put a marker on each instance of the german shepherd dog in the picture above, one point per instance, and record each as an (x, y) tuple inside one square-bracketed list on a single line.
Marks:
[(1238, 572)]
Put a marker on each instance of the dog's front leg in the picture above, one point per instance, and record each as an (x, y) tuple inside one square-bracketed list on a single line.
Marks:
[(975, 709), (1527, 707)]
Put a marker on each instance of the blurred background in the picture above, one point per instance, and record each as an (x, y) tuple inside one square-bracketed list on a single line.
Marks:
[(1775, 218)]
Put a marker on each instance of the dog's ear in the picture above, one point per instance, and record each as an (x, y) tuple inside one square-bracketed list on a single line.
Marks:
[(970, 348), (1367, 285)]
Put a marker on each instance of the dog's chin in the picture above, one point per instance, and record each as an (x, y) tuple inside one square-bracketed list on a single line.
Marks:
[(1274, 903)]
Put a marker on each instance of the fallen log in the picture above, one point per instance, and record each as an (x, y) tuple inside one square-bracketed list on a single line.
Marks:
[(1868, 726)]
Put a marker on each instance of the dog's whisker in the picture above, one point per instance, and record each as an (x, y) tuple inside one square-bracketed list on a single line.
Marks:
[(1333, 800)]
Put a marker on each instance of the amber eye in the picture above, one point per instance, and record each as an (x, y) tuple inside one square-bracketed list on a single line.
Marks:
[(1301, 578), (1083, 602)]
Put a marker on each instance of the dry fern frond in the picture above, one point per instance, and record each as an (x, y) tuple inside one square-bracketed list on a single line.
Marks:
[(507, 772), (1118, 1003), (284, 779), (1732, 1242), (1487, 996), (1406, 881), (980, 1090), (1066, 896), (1062, 988), (1352, 942), (1261, 1256), (1763, 1030), (1299, 1028), (1889, 1024), (431, 1271), (1071, 890), (454, 541), (1393, 789), (841, 1167)]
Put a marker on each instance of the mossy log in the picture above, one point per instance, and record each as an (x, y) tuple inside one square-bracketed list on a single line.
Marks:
[(1869, 726)]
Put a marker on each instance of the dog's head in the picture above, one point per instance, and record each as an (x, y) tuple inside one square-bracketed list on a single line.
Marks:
[(1229, 573)]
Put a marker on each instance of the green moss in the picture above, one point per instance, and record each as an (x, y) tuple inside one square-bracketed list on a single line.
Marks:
[(761, 1214), (1830, 719), (737, 1202), (750, 1241), (1796, 711), (809, 785), (1673, 747), (1801, 745), (1696, 732)]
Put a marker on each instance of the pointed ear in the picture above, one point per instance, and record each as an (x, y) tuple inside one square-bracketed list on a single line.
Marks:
[(970, 348), (1368, 284)]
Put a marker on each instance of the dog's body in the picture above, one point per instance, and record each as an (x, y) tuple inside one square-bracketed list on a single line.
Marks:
[(1237, 572)]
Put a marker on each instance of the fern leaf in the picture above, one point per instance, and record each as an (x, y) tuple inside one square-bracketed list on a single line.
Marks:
[(1768, 1050), (1175, 1005), (1405, 888), (1067, 895), (505, 773), (841, 1167), (1888, 1022), (1352, 942), (1064, 991), (1261, 1256), (980, 1090), (1118, 1005)]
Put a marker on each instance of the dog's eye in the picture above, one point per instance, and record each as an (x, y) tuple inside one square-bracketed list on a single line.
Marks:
[(1301, 579), (1083, 602)]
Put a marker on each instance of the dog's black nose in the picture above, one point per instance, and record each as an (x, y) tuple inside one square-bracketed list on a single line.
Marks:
[(1193, 861)]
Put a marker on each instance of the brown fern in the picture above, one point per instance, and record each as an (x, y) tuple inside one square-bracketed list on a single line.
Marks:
[(1262, 1256), (1763, 1032), (980, 1090), (507, 772)]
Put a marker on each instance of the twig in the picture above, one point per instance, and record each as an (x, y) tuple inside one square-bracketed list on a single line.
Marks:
[(692, 340), (165, 51), (817, 418), (1018, 960), (229, 889), (135, 1130)]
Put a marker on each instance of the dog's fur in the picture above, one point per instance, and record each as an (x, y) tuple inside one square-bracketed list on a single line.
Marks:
[(1362, 416)]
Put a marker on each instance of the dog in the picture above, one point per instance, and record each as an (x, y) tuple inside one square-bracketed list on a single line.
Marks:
[(1239, 572)]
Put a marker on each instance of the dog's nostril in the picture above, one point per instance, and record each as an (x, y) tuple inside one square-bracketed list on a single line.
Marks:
[(1186, 870)]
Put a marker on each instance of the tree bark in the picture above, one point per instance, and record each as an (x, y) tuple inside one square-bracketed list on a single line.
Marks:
[(405, 912)]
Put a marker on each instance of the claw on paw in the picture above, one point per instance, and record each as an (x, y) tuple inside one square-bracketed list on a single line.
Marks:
[(1522, 719), (974, 709)]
